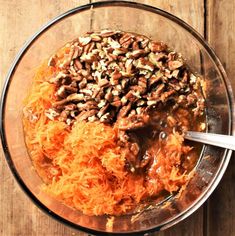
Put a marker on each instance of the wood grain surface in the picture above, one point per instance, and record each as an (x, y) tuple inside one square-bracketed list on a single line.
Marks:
[(220, 32), (19, 19)]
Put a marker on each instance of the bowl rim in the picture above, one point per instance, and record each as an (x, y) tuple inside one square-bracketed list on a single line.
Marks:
[(187, 27)]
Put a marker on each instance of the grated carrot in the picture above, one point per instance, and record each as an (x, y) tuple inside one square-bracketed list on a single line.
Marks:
[(83, 165)]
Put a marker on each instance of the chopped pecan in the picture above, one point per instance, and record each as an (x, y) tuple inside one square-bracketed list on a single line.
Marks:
[(135, 45), (125, 37), (155, 59), (86, 114), (126, 40), (89, 47), (77, 52), (166, 95), (111, 57), (64, 89), (142, 84), (175, 73), (102, 103), (64, 115), (108, 33), (77, 64), (113, 43), (59, 77), (106, 118), (115, 76), (154, 79), (103, 110), (142, 40), (133, 122), (103, 83), (143, 63), (173, 65), (70, 107), (95, 38), (51, 113), (124, 111), (117, 103), (109, 96), (84, 40), (157, 46), (159, 90), (131, 96), (122, 136), (137, 53), (89, 105), (52, 61), (119, 51), (83, 83), (75, 97)]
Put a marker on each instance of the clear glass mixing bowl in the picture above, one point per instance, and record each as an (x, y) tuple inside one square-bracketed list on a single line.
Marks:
[(156, 24)]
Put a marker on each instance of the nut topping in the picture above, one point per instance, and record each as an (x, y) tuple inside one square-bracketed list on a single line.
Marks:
[(112, 75)]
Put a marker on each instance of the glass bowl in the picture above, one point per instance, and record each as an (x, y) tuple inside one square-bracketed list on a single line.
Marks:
[(156, 24)]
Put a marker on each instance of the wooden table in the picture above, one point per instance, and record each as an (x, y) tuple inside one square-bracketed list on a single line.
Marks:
[(214, 19)]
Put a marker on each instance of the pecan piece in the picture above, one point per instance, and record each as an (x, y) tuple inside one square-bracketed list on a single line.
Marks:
[(154, 79), (135, 45), (117, 103), (83, 83), (64, 89), (156, 94), (51, 113), (115, 76), (89, 47), (129, 65), (166, 95), (155, 58), (95, 38), (84, 40), (143, 63), (173, 65), (142, 40), (89, 105), (103, 83), (77, 52), (75, 97), (137, 53), (142, 85), (124, 111), (126, 40), (103, 110), (109, 96), (52, 61), (59, 77), (133, 122), (108, 33), (106, 118), (119, 51), (86, 114), (157, 46), (77, 64)]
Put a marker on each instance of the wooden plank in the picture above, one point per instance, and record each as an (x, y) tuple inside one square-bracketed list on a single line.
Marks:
[(220, 34), (191, 12), (18, 21)]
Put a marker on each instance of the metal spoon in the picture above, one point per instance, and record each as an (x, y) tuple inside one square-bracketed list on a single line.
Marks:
[(219, 140)]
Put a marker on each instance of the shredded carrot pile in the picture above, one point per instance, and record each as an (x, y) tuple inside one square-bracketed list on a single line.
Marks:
[(84, 167)]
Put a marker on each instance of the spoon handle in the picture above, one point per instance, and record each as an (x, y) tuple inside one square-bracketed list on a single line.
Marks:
[(219, 140)]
